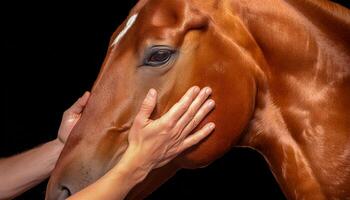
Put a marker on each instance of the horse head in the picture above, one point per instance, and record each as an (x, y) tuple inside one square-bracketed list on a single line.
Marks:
[(170, 46)]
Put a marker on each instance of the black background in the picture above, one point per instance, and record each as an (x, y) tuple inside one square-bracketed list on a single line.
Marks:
[(51, 55)]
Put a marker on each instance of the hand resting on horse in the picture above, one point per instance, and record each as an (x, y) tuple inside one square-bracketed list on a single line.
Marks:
[(154, 143), (71, 117)]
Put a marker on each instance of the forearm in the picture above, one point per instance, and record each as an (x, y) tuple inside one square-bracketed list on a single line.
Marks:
[(117, 183), (22, 172)]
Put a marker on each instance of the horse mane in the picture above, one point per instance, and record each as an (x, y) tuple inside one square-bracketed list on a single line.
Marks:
[(323, 14), (330, 8)]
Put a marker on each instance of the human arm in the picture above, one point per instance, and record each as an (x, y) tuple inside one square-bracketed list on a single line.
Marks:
[(154, 143), (21, 172)]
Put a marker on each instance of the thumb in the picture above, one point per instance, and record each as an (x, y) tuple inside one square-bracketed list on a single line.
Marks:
[(148, 105), (80, 104)]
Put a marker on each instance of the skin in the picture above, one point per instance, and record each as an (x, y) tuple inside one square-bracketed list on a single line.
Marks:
[(40, 161), (147, 149), (281, 66), (153, 143)]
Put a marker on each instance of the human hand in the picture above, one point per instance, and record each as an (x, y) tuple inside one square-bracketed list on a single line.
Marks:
[(156, 142), (71, 117)]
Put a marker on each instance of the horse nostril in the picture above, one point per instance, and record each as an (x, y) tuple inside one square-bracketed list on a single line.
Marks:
[(64, 193), (66, 190)]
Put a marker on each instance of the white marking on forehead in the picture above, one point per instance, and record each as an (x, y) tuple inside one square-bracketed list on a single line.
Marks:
[(129, 24)]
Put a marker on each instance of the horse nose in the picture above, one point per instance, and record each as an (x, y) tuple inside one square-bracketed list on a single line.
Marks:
[(64, 193), (61, 193)]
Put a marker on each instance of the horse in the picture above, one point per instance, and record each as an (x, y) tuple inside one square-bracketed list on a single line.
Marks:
[(280, 75)]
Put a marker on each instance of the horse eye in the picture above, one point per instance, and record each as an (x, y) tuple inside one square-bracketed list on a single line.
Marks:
[(159, 57)]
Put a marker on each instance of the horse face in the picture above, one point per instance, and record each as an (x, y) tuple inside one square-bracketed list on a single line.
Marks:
[(170, 46)]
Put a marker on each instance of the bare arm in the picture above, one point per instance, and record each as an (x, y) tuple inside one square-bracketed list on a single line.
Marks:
[(154, 143), (21, 172)]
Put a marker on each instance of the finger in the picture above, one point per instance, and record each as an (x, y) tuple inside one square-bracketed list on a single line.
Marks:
[(197, 137), (148, 105), (181, 107), (80, 104), (193, 109), (208, 106)]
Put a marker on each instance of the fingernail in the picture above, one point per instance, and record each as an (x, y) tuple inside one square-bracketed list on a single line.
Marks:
[(211, 103), (208, 91), (211, 126), (196, 89), (152, 92)]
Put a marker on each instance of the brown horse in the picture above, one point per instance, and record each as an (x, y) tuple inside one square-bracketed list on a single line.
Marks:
[(280, 72)]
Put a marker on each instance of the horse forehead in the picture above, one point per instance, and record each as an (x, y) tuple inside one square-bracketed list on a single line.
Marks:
[(128, 25)]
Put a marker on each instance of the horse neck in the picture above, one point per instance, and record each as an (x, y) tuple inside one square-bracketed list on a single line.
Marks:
[(300, 124)]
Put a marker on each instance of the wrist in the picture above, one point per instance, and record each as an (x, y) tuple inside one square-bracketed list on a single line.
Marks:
[(133, 166), (125, 175), (60, 140), (57, 143)]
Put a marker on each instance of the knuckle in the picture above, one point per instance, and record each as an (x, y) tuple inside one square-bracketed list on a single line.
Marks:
[(188, 99), (177, 131), (177, 150), (194, 124), (193, 140), (138, 120), (66, 112), (146, 105), (163, 132), (191, 114), (179, 136), (182, 108), (201, 113), (168, 125)]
